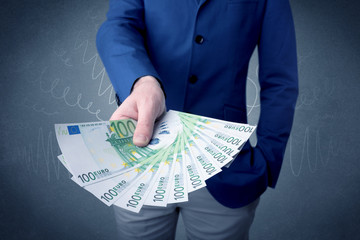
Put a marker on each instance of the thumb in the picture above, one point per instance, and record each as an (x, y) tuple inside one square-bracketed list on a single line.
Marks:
[(144, 128)]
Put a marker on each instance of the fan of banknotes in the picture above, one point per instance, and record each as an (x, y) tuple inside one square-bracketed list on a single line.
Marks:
[(185, 150)]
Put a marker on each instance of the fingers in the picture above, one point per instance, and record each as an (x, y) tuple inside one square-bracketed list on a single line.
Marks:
[(145, 104), (126, 110), (117, 115), (145, 112), (145, 126)]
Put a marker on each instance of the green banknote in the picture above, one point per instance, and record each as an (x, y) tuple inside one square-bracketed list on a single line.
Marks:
[(101, 150), (185, 150)]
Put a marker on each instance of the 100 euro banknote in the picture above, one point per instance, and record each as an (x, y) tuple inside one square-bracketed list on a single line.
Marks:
[(184, 151)]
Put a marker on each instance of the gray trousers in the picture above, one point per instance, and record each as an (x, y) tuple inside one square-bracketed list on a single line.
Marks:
[(204, 218)]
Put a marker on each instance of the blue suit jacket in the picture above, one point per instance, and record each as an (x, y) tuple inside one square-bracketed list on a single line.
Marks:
[(200, 50)]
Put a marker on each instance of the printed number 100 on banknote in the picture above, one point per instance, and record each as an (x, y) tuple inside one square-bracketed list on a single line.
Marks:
[(100, 150)]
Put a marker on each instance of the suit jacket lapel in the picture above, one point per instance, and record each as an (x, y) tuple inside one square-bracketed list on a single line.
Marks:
[(200, 2)]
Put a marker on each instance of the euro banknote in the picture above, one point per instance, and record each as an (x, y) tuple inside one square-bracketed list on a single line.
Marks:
[(184, 151)]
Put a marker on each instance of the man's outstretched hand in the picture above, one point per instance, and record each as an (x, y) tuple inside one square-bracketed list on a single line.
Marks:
[(145, 104)]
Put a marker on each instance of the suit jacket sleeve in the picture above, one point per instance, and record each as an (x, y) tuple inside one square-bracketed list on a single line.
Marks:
[(120, 43), (278, 80)]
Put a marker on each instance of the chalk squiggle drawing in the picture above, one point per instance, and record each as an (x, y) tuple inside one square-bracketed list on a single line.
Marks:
[(311, 162), (96, 60), (35, 107), (33, 155), (64, 95)]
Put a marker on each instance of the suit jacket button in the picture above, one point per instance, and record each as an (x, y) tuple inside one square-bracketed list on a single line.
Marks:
[(193, 79), (199, 39)]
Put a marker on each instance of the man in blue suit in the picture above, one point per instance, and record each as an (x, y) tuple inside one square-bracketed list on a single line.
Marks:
[(197, 52)]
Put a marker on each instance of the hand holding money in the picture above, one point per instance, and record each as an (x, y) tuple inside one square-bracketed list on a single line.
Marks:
[(145, 104), (185, 150)]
